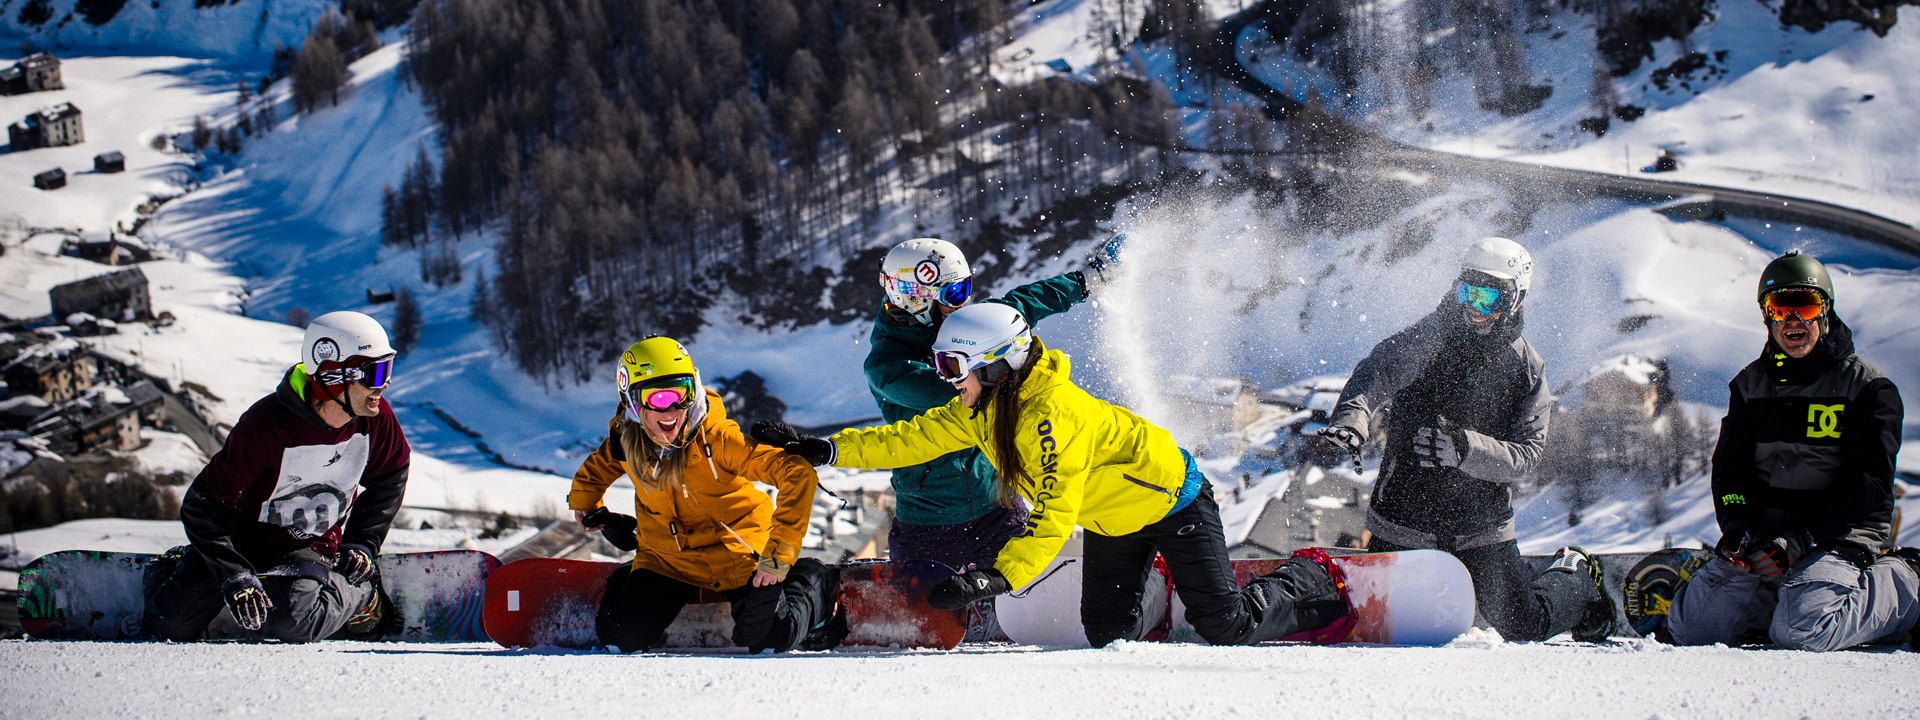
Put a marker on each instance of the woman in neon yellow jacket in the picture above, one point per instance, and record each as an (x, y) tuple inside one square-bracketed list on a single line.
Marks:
[(1079, 460)]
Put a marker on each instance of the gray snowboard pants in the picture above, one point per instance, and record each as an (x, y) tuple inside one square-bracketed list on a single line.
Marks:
[(1824, 603), (184, 604)]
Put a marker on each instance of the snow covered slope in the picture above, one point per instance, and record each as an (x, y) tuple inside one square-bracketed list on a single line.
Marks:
[(1832, 115), (238, 28), (1473, 678), (125, 103)]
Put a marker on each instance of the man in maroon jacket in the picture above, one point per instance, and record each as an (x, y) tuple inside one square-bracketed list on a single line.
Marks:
[(286, 520)]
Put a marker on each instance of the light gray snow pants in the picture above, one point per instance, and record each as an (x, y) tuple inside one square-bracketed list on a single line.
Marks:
[(1825, 603)]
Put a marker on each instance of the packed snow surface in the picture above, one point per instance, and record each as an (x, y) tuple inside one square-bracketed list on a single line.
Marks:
[(1627, 679)]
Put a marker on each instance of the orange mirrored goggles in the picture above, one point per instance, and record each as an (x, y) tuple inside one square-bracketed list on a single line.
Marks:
[(1806, 305)]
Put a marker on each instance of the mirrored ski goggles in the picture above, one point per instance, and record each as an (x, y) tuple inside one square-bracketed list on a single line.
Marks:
[(953, 365), (662, 395), (1484, 300), (373, 374), (1804, 305), (954, 294)]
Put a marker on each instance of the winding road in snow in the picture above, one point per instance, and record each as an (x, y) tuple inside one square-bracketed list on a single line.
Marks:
[(1687, 199)]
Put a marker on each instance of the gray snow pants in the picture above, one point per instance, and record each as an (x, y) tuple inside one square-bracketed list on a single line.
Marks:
[(184, 604), (1824, 603)]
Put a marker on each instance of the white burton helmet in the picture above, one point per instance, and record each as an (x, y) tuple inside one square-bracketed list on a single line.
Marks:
[(922, 271), (979, 335), (343, 339), (1501, 258)]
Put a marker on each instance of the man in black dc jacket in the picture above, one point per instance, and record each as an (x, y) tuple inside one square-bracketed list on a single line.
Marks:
[(1803, 488)]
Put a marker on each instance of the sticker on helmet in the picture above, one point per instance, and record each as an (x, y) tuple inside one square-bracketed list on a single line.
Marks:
[(620, 378), (324, 350), (927, 272)]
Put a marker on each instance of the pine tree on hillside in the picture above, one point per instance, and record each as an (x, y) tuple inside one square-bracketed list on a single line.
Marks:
[(406, 322), (318, 74)]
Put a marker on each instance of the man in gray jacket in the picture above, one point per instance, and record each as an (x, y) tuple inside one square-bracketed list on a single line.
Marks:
[(1467, 409), (1803, 489)]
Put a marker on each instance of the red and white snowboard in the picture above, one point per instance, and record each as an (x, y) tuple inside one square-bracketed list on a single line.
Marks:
[(1415, 597), (548, 601)]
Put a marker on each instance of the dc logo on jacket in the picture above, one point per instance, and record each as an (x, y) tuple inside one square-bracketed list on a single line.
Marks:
[(317, 486)]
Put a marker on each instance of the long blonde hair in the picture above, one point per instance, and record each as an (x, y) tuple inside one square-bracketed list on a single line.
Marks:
[(643, 458)]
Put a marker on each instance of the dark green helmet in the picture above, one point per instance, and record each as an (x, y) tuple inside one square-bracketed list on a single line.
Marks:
[(1795, 270)]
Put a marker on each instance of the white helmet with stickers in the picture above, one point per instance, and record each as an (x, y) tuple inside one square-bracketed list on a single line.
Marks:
[(920, 272), (980, 335), (343, 339), (1501, 258)]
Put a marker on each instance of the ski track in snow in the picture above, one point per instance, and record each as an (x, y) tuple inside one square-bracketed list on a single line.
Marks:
[(1470, 679)]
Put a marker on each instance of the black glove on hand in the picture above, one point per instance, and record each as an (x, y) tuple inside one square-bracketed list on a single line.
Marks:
[(356, 563), (615, 527), (1770, 558), (247, 599), (1341, 436), (811, 449), (1438, 448), (967, 588)]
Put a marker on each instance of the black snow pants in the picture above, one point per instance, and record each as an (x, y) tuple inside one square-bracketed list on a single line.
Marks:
[(1521, 609), (639, 605), (184, 602), (1296, 598)]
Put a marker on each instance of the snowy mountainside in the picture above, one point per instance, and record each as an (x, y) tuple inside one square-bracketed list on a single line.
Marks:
[(1741, 102), (126, 102), (231, 29), (1237, 289)]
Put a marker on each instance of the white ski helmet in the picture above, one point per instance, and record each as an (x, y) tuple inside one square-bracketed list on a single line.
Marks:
[(1503, 259), (343, 339), (919, 272), (979, 335)]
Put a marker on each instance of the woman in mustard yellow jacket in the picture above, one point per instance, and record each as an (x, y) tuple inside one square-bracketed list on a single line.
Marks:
[(701, 524), (1078, 460)]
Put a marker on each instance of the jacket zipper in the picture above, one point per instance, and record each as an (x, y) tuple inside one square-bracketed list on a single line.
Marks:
[(1145, 484)]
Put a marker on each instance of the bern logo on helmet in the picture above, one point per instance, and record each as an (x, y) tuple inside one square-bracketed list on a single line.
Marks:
[(363, 347), (324, 350), (926, 272)]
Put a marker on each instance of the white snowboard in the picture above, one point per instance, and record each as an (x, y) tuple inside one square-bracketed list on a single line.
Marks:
[(1412, 597), (1047, 611)]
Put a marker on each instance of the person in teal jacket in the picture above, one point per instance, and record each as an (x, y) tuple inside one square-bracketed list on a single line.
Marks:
[(946, 509)]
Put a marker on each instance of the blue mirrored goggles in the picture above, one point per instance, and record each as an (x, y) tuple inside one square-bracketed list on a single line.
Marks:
[(954, 293), (373, 374), (1482, 299)]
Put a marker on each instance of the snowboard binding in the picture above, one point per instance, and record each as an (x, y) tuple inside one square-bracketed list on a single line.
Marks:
[(1341, 629)]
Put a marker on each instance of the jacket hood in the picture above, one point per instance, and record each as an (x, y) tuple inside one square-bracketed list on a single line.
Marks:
[(292, 394), (1051, 369)]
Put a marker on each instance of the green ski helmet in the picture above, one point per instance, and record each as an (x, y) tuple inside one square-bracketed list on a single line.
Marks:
[(1794, 270)]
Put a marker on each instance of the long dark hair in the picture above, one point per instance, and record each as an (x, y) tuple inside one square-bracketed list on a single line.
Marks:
[(1003, 409)]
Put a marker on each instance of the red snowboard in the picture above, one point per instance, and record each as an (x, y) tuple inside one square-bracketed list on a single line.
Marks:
[(546, 601)]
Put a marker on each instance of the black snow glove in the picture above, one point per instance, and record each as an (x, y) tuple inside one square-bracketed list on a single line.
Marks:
[(615, 527), (247, 599), (1437, 447), (967, 588), (1343, 437), (811, 449), (355, 562)]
